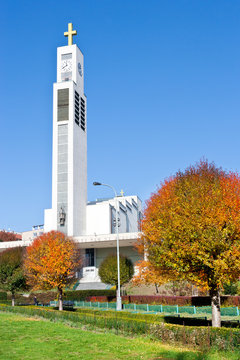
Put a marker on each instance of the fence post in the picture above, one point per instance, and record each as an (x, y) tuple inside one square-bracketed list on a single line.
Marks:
[(107, 305), (177, 309), (237, 311), (147, 308), (194, 309), (116, 323), (135, 307), (161, 309), (90, 304)]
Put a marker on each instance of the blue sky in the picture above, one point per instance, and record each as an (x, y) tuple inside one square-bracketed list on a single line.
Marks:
[(162, 80)]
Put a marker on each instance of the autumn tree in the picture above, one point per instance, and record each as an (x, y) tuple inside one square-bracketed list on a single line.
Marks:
[(191, 229), (8, 236), (147, 275), (11, 271), (51, 262), (108, 270)]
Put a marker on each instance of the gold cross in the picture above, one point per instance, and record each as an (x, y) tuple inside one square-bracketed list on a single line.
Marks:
[(70, 33), (121, 192)]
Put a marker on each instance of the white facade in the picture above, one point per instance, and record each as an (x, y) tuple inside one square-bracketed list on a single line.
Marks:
[(69, 161), (101, 215), (32, 234)]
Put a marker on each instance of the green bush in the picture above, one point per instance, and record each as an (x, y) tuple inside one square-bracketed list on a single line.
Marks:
[(3, 295), (81, 295), (108, 270), (231, 288)]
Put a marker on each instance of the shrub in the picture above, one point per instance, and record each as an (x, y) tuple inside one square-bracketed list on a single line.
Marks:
[(108, 270), (97, 298), (157, 299), (82, 295), (231, 288), (3, 295)]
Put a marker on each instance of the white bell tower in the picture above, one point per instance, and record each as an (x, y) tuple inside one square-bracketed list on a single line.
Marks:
[(69, 159)]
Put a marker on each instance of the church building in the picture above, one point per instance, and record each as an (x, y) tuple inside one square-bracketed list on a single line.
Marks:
[(91, 224), (98, 225)]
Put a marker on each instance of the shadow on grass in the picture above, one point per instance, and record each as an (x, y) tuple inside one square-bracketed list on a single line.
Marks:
[(186, 355), (66, 308)]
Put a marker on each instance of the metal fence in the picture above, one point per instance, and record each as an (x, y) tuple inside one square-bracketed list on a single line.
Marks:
[(168, 309)]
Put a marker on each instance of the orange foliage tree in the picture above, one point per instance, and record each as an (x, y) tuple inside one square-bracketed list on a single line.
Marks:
[(146, 274), (191, 229), (51, 261), (8, 236)]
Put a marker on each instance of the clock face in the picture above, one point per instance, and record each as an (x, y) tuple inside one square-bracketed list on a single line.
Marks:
[(80, 69), (66, 65)]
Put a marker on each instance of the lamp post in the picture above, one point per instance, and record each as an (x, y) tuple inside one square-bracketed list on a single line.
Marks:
[(119, 300)]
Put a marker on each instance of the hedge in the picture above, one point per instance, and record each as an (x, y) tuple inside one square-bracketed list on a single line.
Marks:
[(180, 300), (220, 338), (79, 295), (45, 297)]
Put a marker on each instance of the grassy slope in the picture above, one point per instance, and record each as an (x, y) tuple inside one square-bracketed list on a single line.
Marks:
[(25, 338)]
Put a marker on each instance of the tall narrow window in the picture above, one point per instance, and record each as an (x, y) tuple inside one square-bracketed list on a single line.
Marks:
[(89, 257), (83, 122), (77, 108), (63, 104)]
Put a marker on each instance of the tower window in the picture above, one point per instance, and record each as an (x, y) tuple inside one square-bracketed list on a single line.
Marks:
[(63, 105), (76, 108), (83, 121)]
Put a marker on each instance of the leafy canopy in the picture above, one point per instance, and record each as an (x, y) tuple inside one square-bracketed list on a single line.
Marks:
[(108, 270), (191, 226), (8, 236), (11, 270), (51, 261)]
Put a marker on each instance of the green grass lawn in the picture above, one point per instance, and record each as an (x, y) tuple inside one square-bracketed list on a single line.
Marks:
[(26, 338)]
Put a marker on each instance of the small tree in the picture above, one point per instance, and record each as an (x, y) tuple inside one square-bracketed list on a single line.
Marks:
[(231, 288), (108, 270), (11, 271), (191, 229), (51, 262), (8, 236)]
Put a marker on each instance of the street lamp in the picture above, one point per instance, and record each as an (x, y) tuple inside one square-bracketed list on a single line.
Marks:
[(119, 300)]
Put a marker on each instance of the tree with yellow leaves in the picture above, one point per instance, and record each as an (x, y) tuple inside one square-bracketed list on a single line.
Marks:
[(191, 229), (51, 261)]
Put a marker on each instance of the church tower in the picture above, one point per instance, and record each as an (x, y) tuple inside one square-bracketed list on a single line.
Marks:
[(69, 159)]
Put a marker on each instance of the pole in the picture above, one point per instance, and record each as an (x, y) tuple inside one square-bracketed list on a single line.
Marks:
[(119, 299)]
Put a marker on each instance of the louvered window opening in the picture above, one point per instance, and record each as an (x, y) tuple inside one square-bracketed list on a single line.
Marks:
[(80, 111), (83, 122), (77, 108)]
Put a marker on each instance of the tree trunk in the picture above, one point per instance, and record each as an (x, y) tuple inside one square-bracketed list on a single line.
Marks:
[(13, 299), (60, 300), (215, 302), (156, 287)]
